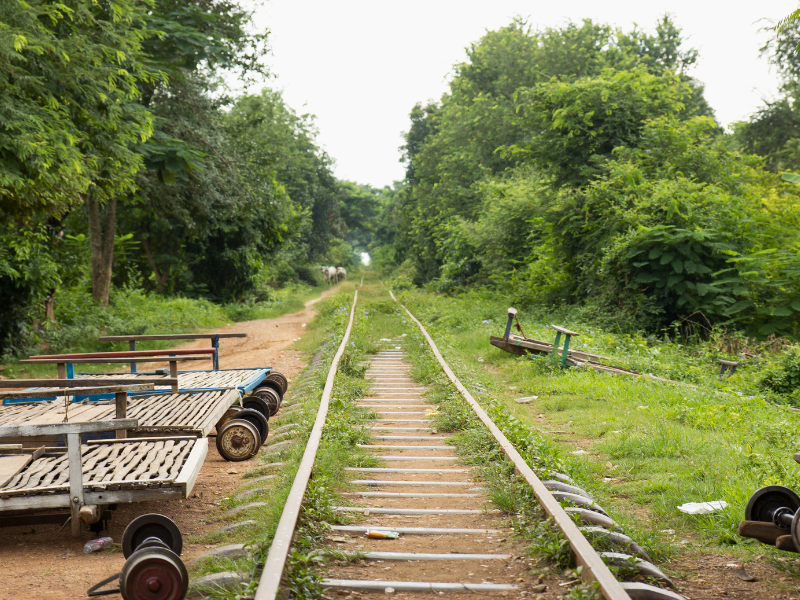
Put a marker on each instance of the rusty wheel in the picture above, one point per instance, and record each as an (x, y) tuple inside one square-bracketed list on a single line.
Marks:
[(271, 384), (269, 396), (255, 418), (151, 525), (280, 378), (238, 440), (153, 574)]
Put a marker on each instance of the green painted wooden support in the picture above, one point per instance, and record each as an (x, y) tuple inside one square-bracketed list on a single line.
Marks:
[(566, 351), (553, 354), (567, 337)]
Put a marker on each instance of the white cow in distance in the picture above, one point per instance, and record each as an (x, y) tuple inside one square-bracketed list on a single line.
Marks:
[(341, 274)]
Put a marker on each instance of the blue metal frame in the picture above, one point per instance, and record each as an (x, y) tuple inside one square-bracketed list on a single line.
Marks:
[(244, 388)]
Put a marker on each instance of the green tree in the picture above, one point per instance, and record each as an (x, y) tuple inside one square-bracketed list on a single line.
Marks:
[(69, 80), (577, 125), (498, 103), (773, 131)]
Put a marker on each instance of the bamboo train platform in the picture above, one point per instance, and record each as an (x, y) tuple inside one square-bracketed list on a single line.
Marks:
[(89, 479), (114, 471), (243, 380), (152, 429), (193, 413)]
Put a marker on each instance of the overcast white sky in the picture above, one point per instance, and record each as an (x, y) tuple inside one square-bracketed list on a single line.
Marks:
[(360, 66)]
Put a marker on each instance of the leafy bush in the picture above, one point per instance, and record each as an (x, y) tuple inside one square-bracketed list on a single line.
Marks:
[(784, 375)]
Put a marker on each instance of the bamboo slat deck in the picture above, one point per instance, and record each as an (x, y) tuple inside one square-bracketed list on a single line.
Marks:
[(113, 471), (195, 413), (192, 380), (243, 379)]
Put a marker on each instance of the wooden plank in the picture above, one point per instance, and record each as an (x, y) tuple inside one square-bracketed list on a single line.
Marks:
[(180, 458), (96, 486), (507, 346), (563, 330), (173, 372), (75, 480), (191, 468), (34, 473), (144, 387), (82, 361), (167, 407), (170, 459), (11, 466), (146, 464), (57, 474), (47, 501), (213, 416), (66, 428), (129, 459), (170, 336), (39, 502), (105, 468), (121, 411), (67, 358), (121, 496), (83, 382), (547, 348), (93, 459)]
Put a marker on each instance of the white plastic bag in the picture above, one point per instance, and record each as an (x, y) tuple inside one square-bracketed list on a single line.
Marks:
[(702, 508)]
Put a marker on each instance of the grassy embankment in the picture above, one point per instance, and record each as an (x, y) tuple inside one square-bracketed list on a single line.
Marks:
[(80, 322), (641, 447)]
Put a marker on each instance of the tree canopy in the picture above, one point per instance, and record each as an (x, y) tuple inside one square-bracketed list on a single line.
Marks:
[(581, 165)]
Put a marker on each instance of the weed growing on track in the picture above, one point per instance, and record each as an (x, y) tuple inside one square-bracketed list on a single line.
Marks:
[(642, 447), (509, 492), (337, 450)]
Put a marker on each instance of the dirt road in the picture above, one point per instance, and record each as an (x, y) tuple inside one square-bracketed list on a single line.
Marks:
[(42, 562)]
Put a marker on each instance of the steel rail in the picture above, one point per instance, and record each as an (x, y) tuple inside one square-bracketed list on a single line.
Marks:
[(594, 569), (281, 544)]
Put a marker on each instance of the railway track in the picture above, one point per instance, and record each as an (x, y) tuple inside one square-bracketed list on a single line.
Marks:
[(449, 543)]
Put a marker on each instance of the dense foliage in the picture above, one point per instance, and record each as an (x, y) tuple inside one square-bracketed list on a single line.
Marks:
[(126, 167), (582, 165)]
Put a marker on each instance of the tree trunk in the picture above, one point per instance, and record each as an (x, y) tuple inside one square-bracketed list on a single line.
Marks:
[(102, 244), (161, 277), (49, 307)]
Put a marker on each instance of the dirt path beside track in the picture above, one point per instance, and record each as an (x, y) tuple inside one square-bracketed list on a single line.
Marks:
[(41, 562)]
